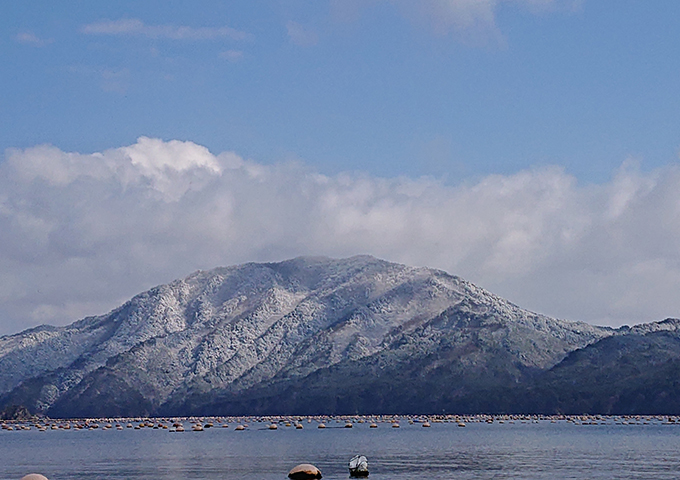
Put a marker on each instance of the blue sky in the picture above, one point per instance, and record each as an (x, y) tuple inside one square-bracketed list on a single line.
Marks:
[(380, 88), (556, 123)]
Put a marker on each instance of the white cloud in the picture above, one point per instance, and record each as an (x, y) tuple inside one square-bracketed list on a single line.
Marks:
[(81, 233), (115, 80), (136, 27), (463, 14), (300, 35), (30, 38), (232, 55), (109, 80), (470, 20)]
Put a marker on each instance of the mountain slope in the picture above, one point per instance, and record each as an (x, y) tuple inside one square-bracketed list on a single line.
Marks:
[(251, 337), (636, 372)]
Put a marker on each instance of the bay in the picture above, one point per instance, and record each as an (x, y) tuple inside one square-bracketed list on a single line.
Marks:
[(540, 450)]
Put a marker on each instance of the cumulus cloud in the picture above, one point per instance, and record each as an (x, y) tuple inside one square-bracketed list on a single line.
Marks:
[(81, 233), (136, 27)]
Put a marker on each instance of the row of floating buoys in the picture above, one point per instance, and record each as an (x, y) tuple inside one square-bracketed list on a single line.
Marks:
[(178, 424), (179, 427)]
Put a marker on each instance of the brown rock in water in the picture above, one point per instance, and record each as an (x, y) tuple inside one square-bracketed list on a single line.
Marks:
[(304, 471), (34, 476)]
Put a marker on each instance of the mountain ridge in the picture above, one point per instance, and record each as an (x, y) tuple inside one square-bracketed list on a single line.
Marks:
[(253, 336)]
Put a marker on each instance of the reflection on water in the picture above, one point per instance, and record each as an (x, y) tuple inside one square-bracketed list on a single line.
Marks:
[(544, 450)]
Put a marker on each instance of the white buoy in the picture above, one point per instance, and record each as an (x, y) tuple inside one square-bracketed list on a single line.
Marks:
[(34, 476), (358, 466)]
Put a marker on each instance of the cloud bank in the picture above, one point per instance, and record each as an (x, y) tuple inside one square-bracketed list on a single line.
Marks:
[(79, 234)]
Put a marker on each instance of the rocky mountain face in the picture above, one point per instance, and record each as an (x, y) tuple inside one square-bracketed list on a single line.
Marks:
[(310, 335)]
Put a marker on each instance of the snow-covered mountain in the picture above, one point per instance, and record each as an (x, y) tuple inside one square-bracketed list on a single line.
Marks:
[(253, 338)]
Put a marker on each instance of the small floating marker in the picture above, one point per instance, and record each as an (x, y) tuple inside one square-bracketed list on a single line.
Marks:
[(322, 425), (348, 425), (298, 426), (426, 424), (373, 425), (461, 424), (34, 476), (240, 427), (395, 425), (273, 426), (304, 471)]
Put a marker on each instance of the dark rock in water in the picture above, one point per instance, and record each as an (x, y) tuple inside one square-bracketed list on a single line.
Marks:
[(304, 471), (358, 466)]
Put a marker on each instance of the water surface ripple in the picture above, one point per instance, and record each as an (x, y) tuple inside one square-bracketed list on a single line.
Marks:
[(530, 451)]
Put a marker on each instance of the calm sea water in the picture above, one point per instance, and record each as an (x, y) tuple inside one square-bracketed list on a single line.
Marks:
[(541, 450)]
